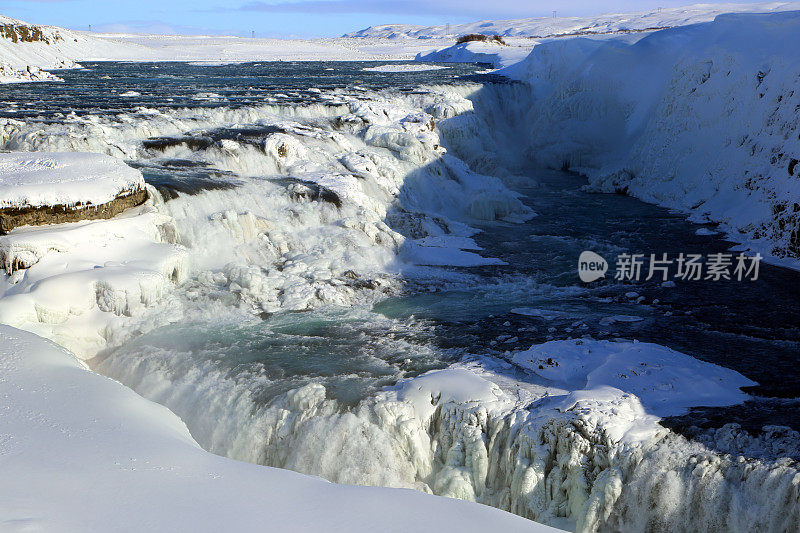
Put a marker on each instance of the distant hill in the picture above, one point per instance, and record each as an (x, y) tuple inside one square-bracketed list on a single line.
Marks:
[(549, 27)]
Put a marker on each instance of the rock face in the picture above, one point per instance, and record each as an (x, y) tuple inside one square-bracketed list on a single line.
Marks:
[(26, 33), (11, 218)]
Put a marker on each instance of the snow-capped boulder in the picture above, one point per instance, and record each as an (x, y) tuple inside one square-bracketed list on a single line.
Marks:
[(53, 188)]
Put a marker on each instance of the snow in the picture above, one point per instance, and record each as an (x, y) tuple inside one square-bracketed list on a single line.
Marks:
[(452, 385), (11, 74), (65, 178), (547, 314), (75, 282), (87, 454), (522, 35), (705, 231), (490, 52), (667, 382), (548, 27), (607, 321)]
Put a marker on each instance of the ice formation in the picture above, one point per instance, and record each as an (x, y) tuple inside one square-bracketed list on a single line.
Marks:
[(578, 449)]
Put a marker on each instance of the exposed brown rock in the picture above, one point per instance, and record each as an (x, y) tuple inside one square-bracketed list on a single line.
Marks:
[(17, 33), (13, 217)]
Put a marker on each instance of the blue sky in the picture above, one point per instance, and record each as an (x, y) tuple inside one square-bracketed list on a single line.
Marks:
[(292, 18)]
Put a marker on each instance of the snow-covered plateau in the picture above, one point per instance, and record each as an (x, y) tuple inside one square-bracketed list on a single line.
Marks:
[(261, 318)]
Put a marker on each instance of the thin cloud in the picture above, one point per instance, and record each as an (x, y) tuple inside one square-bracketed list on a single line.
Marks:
[(455, 8)]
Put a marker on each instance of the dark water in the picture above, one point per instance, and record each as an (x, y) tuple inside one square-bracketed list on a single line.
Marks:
[(750, 326), (98, 88)]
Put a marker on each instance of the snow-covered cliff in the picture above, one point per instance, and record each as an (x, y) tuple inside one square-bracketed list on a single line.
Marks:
[(700, 118)]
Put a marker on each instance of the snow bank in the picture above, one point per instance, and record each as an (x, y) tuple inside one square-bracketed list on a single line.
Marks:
[(700, 118), (77, 283), (68, 179), (10, 74), (87, 454)]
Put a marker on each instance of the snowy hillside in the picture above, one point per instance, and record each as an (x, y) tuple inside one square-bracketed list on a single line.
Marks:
[(542, 28), (521, 35), (25, 48), (702, 119)]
